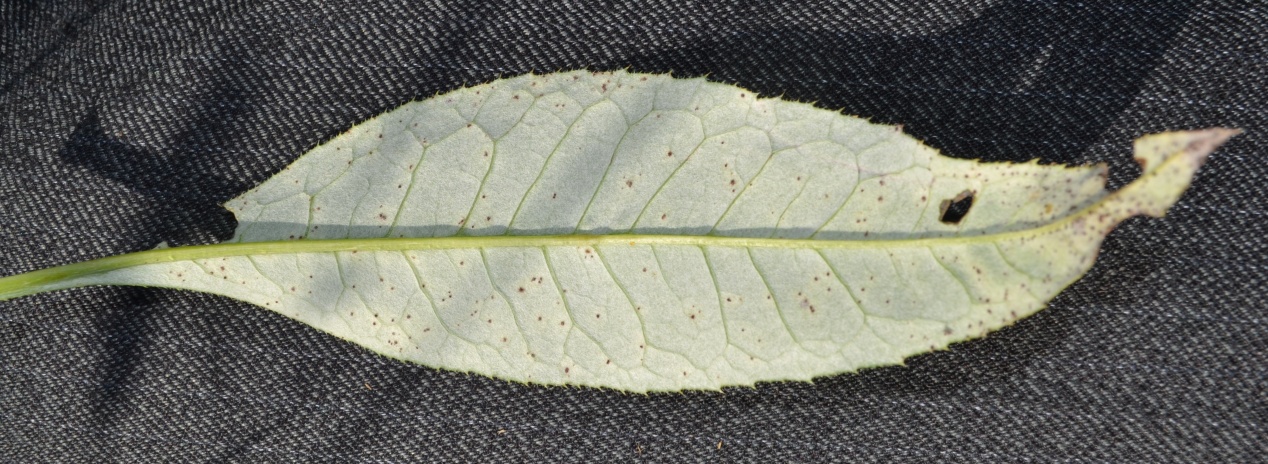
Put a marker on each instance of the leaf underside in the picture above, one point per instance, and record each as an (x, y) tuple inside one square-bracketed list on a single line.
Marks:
[(646, 233)]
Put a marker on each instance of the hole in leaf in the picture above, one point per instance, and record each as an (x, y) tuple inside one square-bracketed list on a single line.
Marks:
[(954, 209)]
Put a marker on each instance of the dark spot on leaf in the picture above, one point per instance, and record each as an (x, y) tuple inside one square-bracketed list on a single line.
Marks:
[(953, 210)]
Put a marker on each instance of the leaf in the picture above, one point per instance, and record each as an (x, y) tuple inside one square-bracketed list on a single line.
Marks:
[(642, 233)]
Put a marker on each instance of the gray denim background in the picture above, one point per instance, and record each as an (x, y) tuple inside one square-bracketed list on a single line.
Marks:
[(123, 126)]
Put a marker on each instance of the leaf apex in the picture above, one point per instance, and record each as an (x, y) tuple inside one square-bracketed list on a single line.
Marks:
[(1153, 150)]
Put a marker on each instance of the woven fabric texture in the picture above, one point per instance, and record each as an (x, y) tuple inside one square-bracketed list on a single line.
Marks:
[(127, 124)]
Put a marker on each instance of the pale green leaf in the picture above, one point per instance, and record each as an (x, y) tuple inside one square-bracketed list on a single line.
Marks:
[(641, 232)]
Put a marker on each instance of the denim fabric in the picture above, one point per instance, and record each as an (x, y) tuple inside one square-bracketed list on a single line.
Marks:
[(124, 125)]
